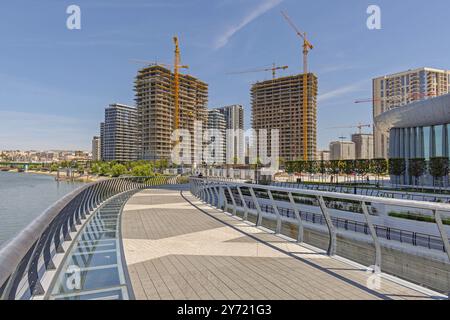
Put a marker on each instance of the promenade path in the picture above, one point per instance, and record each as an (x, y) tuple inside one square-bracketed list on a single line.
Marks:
[(176, 247)]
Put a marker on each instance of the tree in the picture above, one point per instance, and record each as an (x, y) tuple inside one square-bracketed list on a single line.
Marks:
[(54, 167), (95, 168), (145, 170), (105, 169), (397, 166), (300, 166), (378, 167), (161, 165), (348, 167), (362, 167), (312, 167), (438, 167), (416, 168), (118, 169), (290, 167), (322, 168), (335, 168)]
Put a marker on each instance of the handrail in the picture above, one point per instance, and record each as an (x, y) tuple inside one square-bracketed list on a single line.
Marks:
[(416, 238), (23, 258), (353, 197), (378, 192), (215, 193)]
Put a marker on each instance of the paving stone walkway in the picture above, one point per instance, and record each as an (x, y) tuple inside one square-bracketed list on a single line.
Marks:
[(177, 247)]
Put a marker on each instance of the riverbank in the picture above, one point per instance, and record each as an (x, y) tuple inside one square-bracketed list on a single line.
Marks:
[(84, 178)]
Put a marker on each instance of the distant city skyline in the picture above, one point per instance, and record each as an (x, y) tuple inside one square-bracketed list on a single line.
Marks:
[(56, 82)]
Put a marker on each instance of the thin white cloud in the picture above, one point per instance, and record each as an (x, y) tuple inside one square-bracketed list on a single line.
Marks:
[(333, 94), (265, 6)]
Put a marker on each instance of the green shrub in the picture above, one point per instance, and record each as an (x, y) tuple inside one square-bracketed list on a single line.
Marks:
[(416, 217)]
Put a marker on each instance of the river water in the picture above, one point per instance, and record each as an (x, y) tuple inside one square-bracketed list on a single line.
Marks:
[(24, 196)]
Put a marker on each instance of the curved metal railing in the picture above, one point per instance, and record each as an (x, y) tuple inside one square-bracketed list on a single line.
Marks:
[(282, 204), (366, 191), (26, 258)]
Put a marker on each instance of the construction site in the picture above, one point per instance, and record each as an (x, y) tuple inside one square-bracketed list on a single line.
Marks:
[(167, 101), (278, 104)]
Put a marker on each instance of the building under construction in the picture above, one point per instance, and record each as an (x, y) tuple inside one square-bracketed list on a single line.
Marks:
[(278, 104), (154, 88)]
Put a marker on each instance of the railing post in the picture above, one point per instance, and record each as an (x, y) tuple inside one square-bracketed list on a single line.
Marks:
[(208, 193), (442, 231), (196, 188), (191, 189), (244, 204), (298, 217), (225, 200), (258, 208), (215, 196), (232, 200), (331, 230), (277, 213), (219, 201), (203, 191), (374, 235)]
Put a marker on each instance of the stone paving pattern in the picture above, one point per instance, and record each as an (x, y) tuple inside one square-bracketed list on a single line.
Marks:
[(174, 250)]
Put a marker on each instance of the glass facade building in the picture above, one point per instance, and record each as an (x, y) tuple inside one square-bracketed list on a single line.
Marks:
[(419, 130), (119, 133), (420, 142)]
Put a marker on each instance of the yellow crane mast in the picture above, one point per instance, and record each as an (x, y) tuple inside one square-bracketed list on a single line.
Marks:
[(176, 85), (176, 71), (306, 47)]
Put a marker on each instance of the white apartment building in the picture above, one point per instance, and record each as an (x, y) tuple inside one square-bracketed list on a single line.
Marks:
[(402, 88), (363, 146), (234, 120), (96, 149), (216, 144), (323, 155), (342, 150)]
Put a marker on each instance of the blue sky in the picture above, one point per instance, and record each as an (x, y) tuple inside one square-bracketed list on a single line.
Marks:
[(56, 82)]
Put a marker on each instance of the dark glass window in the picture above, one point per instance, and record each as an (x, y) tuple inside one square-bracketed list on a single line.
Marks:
[(426, 143), (412, 143), (438, 143), (448, 140)]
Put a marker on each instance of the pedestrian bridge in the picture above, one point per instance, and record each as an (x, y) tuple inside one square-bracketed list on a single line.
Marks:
[(129, 239)]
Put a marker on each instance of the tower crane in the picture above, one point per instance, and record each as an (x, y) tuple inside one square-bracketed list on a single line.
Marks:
[(306, 44), (176, 70), (306, 47), (360, 127), (413, 95), (274, 70), (176, 84)]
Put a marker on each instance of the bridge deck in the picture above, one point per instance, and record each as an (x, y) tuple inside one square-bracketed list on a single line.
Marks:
[(179, 248)]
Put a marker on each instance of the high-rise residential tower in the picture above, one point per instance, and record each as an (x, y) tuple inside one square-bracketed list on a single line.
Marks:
[(96, 149), (102, 139), (154, 89), (278, 104), (120, 134), (216, 122), (234, 140), (402, 88)]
